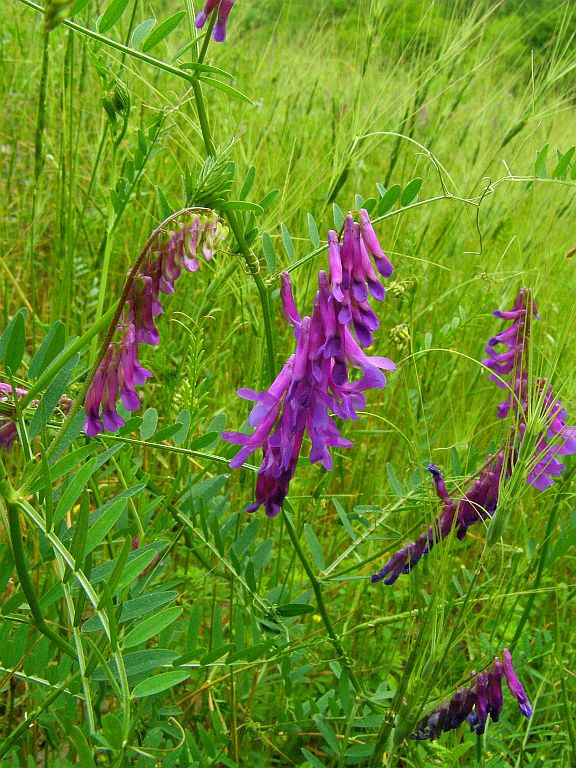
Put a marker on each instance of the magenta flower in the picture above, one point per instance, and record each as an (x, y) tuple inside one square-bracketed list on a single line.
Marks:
[(311, 386), (120, 369), (475, 702), (479, 503), (224, 8), (557, 438)]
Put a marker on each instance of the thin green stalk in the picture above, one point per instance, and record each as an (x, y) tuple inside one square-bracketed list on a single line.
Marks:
[(31, 717), (249, 257), (542, 561), (336, 642), (13, 506)]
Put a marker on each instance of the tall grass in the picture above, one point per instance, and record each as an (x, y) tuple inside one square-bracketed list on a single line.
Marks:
[(345, 97)]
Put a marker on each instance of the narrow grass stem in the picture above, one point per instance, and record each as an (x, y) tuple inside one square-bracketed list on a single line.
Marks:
[(335, 639), (21, 562)]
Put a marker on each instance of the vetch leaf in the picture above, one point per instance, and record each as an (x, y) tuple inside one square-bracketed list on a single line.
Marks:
[(13, 341), (248, 182), (51, 397), (52, 345), (163, 30), (241, 205), (269, 253), (269, 199), (72, 493), (79, 6), (395, 484), (315, 547), (142, 31), (288, 244), (411, 191), (540, 164), (227, 89), (563, 163), (112, 15), (152, 626), (294, 609), (108, 520), (159, 683), (388, 200), (149, 423), (338, 216), (313, 230)]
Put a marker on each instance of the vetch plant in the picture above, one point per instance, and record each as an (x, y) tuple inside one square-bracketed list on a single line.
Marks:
[(476, 702)]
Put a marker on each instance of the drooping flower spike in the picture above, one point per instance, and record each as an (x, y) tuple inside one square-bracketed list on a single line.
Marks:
[(557, 438), (312, 384), (475, 702), (120, 369), (224, 8), (479, 503)]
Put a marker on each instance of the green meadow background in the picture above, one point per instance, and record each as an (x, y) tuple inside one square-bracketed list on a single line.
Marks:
[(347, 101)]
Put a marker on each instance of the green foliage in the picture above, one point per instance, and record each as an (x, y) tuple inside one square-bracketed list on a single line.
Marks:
[(196, 635)]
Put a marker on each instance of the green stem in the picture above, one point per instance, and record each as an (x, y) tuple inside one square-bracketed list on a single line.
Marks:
[(132, 52), (21, 562), (249, 257), (542, 561), (254, 268), (31, 717), (338, 647)]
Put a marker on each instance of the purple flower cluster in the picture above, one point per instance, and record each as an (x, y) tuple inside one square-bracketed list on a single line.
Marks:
[(314, 382), (475, 702), (479, 503), (557, 438), (224, 8), (512, 365), (120, 369), (8, 429)]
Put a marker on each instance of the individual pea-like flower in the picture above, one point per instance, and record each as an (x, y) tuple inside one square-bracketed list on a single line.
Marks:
[(512, 369), (8, 428), (312, 385), (478, 503), (120, 369), (224, 8), (476, 701)]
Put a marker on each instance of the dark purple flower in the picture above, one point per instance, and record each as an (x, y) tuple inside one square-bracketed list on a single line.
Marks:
[(512, 366), (479, 503), (515, 686), (120, 369), (475, 702), (224, 8), (312, 384)]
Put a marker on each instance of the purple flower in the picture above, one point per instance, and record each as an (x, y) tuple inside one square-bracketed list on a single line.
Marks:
[(353, 277), (514, 361), (120, 369), (475, 702), (312, 384), (515, 686), (479, 503), (557, 438), (224, 8)]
